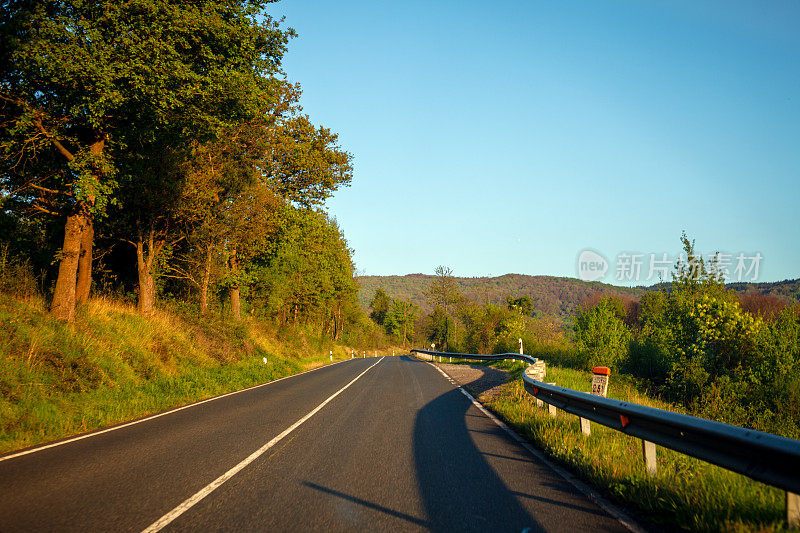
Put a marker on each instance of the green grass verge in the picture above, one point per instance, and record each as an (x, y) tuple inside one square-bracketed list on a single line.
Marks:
[(114, 365), (686, 493)]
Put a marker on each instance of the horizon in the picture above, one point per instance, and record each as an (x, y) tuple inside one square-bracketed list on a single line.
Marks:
[(367, 275)]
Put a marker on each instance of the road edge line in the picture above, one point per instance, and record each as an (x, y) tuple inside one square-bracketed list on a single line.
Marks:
[(67, 440), (613, 510), (190, 502)]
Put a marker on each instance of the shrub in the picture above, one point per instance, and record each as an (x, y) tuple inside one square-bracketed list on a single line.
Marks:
[(601, 336)]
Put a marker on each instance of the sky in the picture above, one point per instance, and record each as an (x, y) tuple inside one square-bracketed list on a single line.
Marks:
[(511, 136)]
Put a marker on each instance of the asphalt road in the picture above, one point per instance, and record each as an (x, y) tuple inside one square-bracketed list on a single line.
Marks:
[(398, 448)]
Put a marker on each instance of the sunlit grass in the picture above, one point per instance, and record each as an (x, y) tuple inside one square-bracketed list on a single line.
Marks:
[(113, 365)]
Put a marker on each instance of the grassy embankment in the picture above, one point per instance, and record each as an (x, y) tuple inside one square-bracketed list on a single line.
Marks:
[(113, 365), (686, 493)]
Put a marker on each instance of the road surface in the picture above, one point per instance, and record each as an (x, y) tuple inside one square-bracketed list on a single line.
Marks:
[(366, 444)]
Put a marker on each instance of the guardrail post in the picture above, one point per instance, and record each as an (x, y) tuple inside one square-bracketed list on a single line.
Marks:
[(793, 509), (586, 426), (552, 408), (649, 452)]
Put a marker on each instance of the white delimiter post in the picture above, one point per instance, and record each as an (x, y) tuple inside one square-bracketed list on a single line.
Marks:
[(599, 388), (793, 509), (520, 346)]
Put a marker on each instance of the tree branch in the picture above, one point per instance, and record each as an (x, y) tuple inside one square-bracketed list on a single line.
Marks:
[(60, 147)]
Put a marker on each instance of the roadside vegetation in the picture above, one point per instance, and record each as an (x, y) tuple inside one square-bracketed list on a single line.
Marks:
[(113, 364)]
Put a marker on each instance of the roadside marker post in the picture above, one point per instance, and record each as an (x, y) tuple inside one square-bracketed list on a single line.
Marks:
[(600, 376), (331, 353), (600, 380)]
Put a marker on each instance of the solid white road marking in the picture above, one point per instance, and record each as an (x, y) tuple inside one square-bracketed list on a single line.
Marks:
[(211, 487), (151, 417)]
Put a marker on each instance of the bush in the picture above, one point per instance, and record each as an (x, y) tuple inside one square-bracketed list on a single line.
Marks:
[(601, 336)]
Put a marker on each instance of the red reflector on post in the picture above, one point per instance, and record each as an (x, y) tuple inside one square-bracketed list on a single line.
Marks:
[(535, 390), (624, 420), (603, 370)]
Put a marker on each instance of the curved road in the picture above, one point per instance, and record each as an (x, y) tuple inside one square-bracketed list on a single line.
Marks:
[(366, 444)]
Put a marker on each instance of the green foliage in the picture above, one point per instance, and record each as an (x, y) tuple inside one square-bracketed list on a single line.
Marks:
[(380, 307), (523, 305), (601, 336), (307, 273), (696, 346), (399, 320)]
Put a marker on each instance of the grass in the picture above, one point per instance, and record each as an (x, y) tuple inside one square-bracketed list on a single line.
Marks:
[(686, 493), (114, 365)]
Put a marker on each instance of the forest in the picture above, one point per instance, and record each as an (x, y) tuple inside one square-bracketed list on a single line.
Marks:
[(156, 152)]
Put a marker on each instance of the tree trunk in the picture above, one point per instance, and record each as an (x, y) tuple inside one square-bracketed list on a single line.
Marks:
[(63, 304), (146, 253), (64, 297), (204, 281), (84, 283), (84, 276), (236, 310)]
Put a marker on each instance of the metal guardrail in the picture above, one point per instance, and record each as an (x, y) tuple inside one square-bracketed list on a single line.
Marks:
[(761, 456), (494, 357)]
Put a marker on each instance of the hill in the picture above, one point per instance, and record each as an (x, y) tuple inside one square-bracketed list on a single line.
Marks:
[(551, 295)]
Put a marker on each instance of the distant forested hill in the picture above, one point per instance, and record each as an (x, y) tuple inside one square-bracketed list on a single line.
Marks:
[(551, 295)]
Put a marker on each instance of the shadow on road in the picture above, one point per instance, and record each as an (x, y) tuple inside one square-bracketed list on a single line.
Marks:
[(459, 489)]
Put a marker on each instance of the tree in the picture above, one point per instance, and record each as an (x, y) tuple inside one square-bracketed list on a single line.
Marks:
[(84, 83), (522, 305), (380, 306), (444, 292), (399, 319), (304, 162), (601, 336), (305, 276)]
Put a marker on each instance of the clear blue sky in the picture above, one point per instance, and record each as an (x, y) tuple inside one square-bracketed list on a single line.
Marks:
[(508, 136)]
